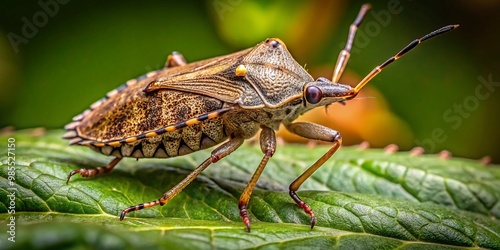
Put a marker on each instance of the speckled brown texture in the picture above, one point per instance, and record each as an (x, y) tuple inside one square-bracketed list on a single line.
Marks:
[(135, 112)]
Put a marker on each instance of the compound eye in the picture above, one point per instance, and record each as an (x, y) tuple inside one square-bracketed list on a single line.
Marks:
[(313, 94)]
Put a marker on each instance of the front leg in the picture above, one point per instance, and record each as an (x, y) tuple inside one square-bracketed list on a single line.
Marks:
[(315, 132)]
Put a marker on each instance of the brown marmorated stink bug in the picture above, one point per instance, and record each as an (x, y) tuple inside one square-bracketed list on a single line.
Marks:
[(184, 108)]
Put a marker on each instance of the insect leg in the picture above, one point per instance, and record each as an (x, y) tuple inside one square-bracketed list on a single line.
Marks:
[(268, 147), (408, 47), (96, 171), (346, 52), (219, 153), (316, 132), (175, 59)]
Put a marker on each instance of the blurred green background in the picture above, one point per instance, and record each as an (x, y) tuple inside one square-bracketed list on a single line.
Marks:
[(58, 57)]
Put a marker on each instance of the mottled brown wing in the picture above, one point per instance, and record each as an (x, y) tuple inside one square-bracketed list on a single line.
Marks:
[(213, 77), (128, 111), (164, 98)]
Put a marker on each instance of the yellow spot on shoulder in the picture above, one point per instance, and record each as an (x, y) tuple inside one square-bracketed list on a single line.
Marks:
[(241, 70)]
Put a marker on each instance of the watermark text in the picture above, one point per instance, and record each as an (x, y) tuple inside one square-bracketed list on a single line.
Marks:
[(31, 26), (12, 189), (460, 111)]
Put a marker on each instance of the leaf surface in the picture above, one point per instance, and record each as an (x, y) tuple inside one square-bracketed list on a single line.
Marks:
[(362, 198)]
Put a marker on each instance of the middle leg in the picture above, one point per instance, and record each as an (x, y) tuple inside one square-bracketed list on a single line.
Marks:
[(268, 147)]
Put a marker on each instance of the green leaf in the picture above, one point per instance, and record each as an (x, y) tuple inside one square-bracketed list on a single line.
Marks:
[(365, 199)]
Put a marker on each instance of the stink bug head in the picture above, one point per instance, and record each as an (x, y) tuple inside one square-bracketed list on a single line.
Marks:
[(323, 92)]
